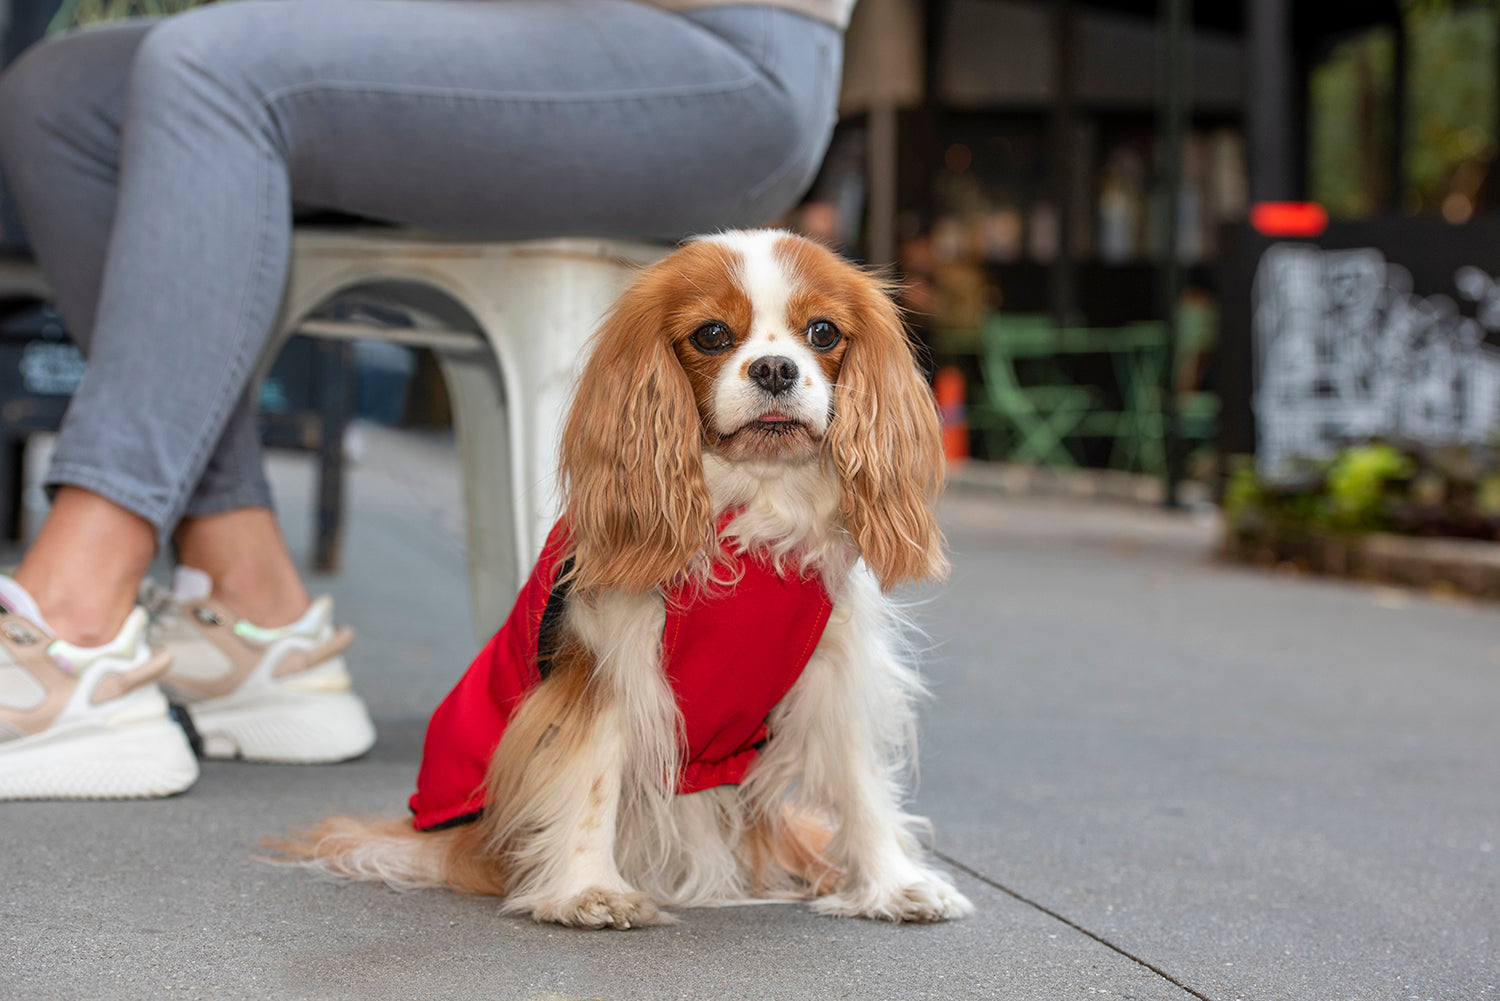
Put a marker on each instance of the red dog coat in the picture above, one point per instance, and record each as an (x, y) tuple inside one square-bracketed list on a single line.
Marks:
[(730, 657)]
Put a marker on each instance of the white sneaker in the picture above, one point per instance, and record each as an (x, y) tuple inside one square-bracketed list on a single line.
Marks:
[(84, 723), (279, 695)]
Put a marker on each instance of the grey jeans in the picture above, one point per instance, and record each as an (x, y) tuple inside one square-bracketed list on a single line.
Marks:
[(157, 165)]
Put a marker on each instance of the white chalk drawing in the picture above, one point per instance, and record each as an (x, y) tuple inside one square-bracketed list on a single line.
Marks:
[(1345, 352)]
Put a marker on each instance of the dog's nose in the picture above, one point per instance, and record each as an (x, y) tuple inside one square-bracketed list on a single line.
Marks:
[(774, 374)]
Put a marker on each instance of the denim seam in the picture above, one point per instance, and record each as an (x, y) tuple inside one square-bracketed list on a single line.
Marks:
[(764, 58), (515, 97), (229, 501), (248, 487), (107, 485)]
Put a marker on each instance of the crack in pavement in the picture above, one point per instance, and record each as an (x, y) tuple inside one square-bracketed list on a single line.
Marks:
[(987, 881)]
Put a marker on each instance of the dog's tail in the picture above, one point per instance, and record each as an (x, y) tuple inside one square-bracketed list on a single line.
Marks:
[(394, 853)]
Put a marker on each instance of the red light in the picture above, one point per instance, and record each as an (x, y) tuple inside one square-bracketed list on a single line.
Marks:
[(1288, 218)]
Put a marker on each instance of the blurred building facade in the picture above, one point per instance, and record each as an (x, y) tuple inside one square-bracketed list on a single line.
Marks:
[(1010, 156)]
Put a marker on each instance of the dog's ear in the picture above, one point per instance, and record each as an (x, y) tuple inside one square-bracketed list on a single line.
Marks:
[(631, 456), (886, 444)]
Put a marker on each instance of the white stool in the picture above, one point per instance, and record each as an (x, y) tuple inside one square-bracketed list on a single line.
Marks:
[(508, 323)]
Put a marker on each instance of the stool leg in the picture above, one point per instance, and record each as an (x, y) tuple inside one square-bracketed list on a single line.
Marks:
[(537, 310), (482, 421), (13, 488), (536, 304), (334, 370)]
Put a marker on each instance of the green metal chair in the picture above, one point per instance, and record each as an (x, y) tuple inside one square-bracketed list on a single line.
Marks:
[(1033, 419), (1140, 441), (1027, 423)]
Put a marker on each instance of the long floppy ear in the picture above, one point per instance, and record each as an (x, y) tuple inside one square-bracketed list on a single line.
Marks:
[(631, 459), (886, 445)]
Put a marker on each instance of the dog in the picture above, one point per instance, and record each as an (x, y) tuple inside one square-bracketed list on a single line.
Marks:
[(704, 693)]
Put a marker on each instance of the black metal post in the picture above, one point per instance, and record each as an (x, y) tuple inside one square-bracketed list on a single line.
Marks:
[(1064, 268), (1271, 111), (1396, 167), (927, 131), (13, 487), (1173, 124), (335, 372)]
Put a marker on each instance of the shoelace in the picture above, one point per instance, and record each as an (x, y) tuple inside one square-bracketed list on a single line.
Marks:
[(157, 601)]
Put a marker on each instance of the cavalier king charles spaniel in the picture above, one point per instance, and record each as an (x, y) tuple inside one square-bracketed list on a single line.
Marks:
[(703, 694)]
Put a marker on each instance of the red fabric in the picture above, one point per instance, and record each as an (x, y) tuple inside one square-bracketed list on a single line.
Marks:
[(730, 657)]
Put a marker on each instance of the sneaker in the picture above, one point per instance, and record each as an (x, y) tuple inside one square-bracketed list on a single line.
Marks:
[(278, 695), (84, 723)]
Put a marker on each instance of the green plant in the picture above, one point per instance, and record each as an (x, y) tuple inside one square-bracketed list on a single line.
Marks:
[(1487, 497), (1242, 493), (75, 13), (1450, 490), (1357, 485)]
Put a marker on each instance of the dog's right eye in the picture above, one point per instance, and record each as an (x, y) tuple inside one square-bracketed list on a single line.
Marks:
[(711, 338)]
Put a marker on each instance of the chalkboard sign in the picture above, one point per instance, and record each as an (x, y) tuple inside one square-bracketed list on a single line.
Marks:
[(1373, 330)]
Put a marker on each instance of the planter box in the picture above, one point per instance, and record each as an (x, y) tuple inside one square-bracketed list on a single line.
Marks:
[(1467, 565)]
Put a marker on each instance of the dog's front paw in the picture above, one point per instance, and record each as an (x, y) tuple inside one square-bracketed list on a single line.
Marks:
[(929, 897), (598, 907)]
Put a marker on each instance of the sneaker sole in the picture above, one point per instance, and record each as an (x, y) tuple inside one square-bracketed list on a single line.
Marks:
[(284, 727), (137, 760)]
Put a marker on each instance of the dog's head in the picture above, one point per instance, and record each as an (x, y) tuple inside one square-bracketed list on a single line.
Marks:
[(762, 348)]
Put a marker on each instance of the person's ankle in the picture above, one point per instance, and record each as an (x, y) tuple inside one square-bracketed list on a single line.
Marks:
[(85, 567), (243, 554), (84, 620), (261, 599), (85, 631)]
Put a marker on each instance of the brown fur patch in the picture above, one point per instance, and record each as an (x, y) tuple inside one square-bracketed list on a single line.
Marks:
[(631, 457), (468, 865), (542, 742), (825, 287), (795, 843), (705, 289), (885, 439)]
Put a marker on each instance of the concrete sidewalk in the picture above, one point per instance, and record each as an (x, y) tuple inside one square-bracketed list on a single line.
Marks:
[(1156, 776)]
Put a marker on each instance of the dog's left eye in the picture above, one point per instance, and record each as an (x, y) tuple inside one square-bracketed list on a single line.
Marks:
[(712, 338), (822, 334)]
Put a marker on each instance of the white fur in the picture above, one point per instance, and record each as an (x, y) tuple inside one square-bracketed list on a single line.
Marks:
[(568, 865), (788, 512), (845, 740), (769, 285), (842, 744), (624, 633)]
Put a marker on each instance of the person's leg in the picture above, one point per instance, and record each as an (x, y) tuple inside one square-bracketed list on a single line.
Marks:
[(84, 601), (62, 112), (529, 118), (61, 115), (243, 553), (521, 119), (62, 105)]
